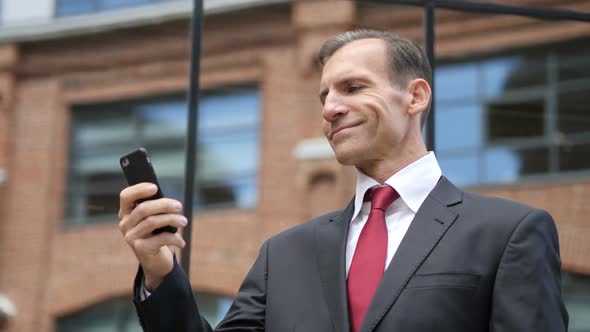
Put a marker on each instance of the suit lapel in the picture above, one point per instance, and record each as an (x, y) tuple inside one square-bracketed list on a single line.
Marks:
[(432, 220), (330, 244)]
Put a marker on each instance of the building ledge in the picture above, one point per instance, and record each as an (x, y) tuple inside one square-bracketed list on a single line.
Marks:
[(313, 149), (116, 19)]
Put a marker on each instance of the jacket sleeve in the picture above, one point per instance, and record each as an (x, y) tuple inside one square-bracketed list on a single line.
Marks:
[(171, 307), (527, 289), (248, 311)]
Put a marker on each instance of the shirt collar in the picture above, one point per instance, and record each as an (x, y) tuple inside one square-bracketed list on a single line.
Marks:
[(413, 183)]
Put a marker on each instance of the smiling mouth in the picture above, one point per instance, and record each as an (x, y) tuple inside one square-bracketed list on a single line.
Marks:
[(339, 129)]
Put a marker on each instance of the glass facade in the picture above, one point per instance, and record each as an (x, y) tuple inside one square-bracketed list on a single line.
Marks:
[(576, 295), (81, 7), (509, 117), (228, 150), (118, 315)]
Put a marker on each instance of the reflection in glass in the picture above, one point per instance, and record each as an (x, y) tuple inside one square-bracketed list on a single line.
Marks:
[(456, 82), (574, 157), (516, 119), (574, 113), (118, 315), (228, 148), (458, 126), (576, 296), (79, 7), (511, 73), (462, 170), (115, 4), (110, 316), (574, 63), (74, 7), (503, 164), (213, 307), (493, 108)]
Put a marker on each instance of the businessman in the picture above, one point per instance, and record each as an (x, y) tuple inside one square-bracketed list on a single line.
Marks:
[(410, 253)]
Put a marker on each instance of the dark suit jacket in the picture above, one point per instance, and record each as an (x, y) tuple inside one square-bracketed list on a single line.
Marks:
[(467, 263)]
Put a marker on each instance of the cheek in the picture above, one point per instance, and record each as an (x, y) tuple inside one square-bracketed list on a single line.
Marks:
[(325, 127)]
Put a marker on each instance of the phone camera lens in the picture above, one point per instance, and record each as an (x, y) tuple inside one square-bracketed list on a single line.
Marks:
[(125, 162)]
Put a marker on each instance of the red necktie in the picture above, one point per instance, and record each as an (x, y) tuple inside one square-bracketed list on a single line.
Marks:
[(368, 262)]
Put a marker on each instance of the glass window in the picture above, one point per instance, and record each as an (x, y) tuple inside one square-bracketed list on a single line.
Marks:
[(228, 157), (574, 114), (75, 7), (456, 82), (516, 119), (118, 315), (79, 7), (116, 4), (514, 115), (573, 157), (462, 169), (576, 295), (504, 164), (451, 116), (506, 74)]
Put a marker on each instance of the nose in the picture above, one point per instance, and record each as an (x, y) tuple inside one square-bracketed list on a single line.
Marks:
[(333, 107)]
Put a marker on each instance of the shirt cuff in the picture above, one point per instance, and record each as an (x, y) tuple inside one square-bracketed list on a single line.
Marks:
[(143, 292)]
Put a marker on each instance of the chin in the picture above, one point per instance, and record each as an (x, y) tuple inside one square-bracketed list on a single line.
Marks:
[(348, 157)]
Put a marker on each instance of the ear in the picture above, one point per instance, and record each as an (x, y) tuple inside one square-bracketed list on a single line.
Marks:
[(420, 94)]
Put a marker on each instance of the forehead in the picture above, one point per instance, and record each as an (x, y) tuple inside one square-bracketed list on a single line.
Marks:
[(359, 57)]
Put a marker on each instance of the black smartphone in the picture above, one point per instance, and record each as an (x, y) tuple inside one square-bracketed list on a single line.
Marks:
[(138, 168)]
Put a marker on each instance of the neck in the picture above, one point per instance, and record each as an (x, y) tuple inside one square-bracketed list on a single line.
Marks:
[(381, 170)]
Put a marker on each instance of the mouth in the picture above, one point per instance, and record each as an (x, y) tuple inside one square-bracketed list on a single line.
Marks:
[(341, 128)]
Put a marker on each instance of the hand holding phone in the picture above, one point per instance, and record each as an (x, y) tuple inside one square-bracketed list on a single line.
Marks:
[(138, 168)]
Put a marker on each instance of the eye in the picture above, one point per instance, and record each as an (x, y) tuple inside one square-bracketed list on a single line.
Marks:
[(353, 88)]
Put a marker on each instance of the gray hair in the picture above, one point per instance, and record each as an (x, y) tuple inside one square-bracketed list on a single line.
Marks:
[(406, 59)]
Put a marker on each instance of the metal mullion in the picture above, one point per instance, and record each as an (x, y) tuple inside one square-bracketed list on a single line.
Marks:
[(579, 138), (429, 41), (456, 152), (573, 85), (551, 112), (519, 142), (193, 117), (518, 95), (481, 150)]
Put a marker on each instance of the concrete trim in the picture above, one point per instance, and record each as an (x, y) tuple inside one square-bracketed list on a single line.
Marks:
[(116, 19), (7, 308), (313, 149)]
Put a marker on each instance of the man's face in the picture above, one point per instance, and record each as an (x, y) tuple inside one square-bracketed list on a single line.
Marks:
[(364, 115)]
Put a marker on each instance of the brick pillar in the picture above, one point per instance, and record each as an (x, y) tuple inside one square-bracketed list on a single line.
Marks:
[(326, 185), (8, 62), (30, 201)]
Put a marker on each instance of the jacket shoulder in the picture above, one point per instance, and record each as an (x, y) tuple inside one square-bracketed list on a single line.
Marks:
[(305, 229), (497, 210)]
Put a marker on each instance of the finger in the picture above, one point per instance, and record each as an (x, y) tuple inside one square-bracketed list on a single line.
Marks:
[(151, 245), (147, 209), (131, 194), (148, 225)]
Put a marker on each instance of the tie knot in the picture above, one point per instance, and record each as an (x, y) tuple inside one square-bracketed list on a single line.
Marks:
[(381, 197)]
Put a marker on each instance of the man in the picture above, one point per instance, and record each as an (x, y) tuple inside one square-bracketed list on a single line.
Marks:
[(419, 255)]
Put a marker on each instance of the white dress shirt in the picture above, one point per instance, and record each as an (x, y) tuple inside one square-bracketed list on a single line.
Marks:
[(413, 184)]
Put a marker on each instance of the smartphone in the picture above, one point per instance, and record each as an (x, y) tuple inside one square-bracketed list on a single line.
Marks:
[(138, 168)]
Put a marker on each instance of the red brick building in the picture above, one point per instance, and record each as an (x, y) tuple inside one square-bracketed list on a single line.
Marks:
[(73, 101)]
